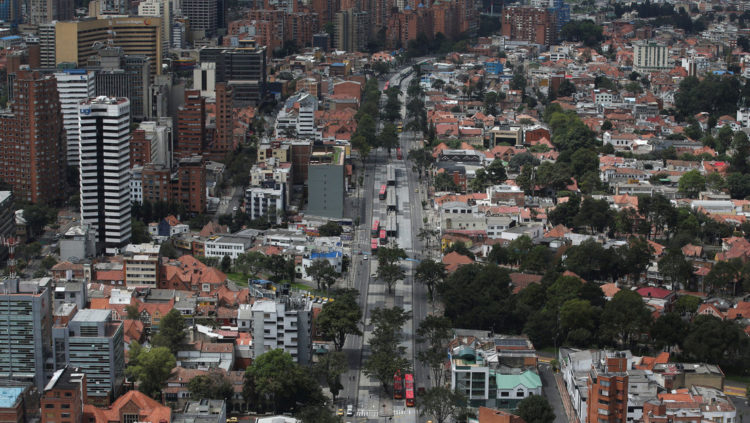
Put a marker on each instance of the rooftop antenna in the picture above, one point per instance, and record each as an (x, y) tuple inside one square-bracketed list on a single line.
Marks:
[(10, 243)]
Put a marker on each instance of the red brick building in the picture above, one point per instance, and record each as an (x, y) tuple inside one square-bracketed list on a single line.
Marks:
[(526, 23), (224, 138), (191, 125), (64, 396), (608, 391), (533, 135), (140, 148), (155, 182), (189, 187), (33, 148)]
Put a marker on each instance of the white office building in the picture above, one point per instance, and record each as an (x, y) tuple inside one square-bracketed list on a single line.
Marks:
[(266, 202), (283, 324), (160, 9), (650, 56), (297, 117), (104, 125), (74, 85)]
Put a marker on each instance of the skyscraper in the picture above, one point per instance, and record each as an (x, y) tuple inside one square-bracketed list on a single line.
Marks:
[(533, 24), (73, 85), (105, 170), (202, 15), (32, 142), (25, 329)]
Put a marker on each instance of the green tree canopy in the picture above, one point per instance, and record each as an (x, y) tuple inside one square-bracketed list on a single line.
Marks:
[(150, 369), (692, 183), (211, 386), (535, 409), (441, 403), (275, 382), (171, 331), (322, 272), (340, 318)]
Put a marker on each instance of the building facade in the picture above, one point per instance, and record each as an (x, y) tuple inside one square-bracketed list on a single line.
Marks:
[(26, 330), (32, 140), (74, 85), (650, 56), (105, 170), (191, 125), (283, 324), (532, 24)]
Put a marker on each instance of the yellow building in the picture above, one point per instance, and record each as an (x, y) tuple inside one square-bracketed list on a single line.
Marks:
[(76, 41)]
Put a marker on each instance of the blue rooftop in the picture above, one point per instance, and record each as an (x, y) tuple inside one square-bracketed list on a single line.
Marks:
[(332, 254), (75, 71), (9, 396), (11, 37), (337, 64)]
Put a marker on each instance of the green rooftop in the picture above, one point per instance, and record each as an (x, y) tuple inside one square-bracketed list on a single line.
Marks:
[(528, 379)]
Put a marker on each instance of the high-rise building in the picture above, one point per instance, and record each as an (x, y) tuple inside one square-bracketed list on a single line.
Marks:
[(10, 11), (650, 56), (283, 324), (76, 41), (74, 85), (608, 389), (188, 184), (64, 396), (93, 342), (244, 69), (532, 24), (202, 15), (32, 141), (159, 9), (47, 47), (351, 30), (123, 75), (43, 11), (224, 138), (26, 330), (191, 125), (326, 185), (105, 170)]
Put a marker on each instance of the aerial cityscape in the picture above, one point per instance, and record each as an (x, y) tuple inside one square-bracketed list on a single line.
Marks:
[(375, 211)]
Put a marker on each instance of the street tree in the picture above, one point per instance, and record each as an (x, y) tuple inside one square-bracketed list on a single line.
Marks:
[(496, 172), (322, 272), (427, 235), (442, 404), (275, 382), (171, 331), (387, 355), (388, 137), (340, 318), (434, 332), (150, 369), (390, 255), (687, 304), (211, 386), (430, 273), (390, 274), (535, 409), (331, 366)]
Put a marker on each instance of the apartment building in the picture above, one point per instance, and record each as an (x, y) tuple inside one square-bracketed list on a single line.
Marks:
[(285, 324), (64, 396)]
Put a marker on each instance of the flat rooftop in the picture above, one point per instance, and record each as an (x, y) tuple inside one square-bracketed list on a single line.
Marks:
[(9, 396)]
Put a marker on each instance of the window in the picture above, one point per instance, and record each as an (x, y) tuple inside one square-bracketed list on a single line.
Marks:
[(504, 394), (65, 406), (129, 418), (519, 394), (49, 405)]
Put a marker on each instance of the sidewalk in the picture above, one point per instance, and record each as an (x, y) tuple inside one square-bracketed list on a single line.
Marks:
[(567, 404)]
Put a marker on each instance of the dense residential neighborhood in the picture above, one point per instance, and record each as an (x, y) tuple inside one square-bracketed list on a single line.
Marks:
[(531, 211)]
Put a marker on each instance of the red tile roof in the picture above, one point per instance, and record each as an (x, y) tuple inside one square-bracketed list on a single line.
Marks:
[(454, 260), (148, 409)]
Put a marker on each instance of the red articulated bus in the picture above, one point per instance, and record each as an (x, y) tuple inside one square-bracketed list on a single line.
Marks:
[(409, 382), (382, 192), (398, 386), (387, 84), (383, 237), (398, 154), (375, 228), (374, 246)]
